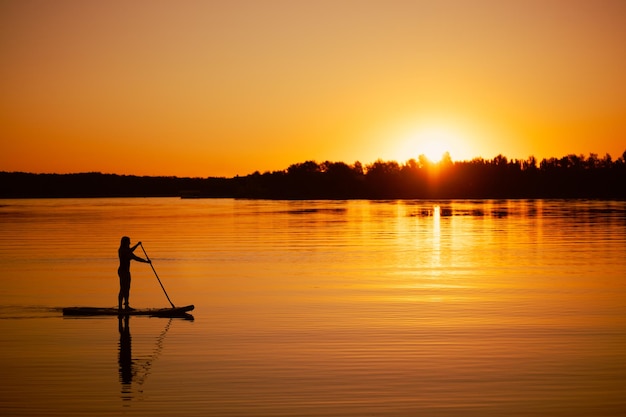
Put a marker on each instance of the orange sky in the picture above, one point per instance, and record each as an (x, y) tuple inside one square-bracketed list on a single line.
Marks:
[(224, 88)]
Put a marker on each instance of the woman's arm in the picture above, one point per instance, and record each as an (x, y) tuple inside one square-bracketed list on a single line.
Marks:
[(137, 258), (135, 247)]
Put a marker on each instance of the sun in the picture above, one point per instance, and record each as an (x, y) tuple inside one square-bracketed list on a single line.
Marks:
[(434, 143), (431, 141)]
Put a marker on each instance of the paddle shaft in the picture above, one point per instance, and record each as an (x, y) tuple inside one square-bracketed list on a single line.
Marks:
[(157, 276)]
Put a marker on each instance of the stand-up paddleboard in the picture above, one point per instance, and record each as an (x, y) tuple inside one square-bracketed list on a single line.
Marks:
[(152, 312), (112, 311)]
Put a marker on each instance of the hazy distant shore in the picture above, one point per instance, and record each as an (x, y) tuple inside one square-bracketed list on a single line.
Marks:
[(569, 177)]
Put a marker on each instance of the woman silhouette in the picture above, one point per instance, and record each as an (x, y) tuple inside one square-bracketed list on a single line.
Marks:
[(125, 253)]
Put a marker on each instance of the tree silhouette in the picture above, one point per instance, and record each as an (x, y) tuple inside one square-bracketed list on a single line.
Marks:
[(571, 176)]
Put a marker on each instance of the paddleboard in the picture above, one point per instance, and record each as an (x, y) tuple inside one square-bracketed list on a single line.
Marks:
[(112, 311)]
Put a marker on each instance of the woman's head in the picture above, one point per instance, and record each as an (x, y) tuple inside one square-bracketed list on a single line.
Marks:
[(125, 241)]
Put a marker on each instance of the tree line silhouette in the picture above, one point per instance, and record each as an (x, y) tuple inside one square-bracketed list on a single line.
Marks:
[(572, 176)]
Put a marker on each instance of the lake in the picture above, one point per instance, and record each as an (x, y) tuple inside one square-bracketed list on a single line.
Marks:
[(316, 308)]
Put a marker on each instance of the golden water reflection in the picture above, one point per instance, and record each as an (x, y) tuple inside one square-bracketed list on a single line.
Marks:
[(443, 308)]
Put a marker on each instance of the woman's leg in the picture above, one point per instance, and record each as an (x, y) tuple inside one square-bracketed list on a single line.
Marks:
[(127, 291), (120, 295), (124, 288)]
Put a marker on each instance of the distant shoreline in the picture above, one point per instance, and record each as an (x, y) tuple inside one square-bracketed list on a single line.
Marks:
[(568, 177)]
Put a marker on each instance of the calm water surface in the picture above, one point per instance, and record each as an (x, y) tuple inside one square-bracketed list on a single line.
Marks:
[(389, 308)]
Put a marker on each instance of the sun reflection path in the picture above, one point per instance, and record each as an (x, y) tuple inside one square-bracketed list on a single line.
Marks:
[(436, 248)]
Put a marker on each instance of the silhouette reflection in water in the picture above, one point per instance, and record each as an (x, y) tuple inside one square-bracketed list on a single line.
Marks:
[(125, 357), (134, 370)]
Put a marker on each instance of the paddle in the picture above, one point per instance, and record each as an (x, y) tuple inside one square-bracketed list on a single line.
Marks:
[(157, 277)]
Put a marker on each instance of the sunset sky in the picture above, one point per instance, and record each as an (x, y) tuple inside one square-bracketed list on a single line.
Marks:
[(224, 88)]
